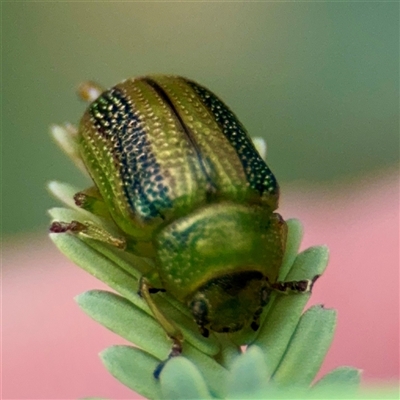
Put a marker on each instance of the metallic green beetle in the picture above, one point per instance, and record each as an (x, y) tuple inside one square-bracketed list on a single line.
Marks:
[(181, 178)]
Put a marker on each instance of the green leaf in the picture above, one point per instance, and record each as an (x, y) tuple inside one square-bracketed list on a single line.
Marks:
[(248, 374), (128, 321), (134, 368), (390, 392), (229, 351), (336, 392), (66, 138), (309, 263), (125, 319), (346, 377), (181, 380), (307, 347), (64, 192), (293, 242), (100, 267), (289, 347), (214, 373), (125, 366), (286, 310)]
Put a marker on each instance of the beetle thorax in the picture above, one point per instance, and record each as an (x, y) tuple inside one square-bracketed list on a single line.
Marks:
[(230, 302)]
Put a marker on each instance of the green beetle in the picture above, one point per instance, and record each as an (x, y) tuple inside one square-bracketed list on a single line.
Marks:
[(179, 175)]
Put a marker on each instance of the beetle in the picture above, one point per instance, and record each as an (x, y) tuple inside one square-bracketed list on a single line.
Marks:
[(177, 172)]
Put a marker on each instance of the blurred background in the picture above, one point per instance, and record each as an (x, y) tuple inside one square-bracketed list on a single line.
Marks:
[(318, 80)]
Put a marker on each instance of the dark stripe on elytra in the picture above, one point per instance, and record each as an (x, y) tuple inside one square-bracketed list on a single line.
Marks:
[(256, 170), (116, 120), (211, 188)]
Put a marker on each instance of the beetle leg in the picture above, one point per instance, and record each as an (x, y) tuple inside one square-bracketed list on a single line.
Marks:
[(175, 351), (89, 230), (172, 330), (302, 286), (150, 287), (90, 200)]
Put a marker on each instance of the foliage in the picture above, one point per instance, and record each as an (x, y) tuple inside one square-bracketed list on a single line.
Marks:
[(281, 359), (287, 351)]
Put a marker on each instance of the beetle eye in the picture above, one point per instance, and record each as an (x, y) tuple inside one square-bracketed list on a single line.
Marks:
[(265, 293), (199, 309)]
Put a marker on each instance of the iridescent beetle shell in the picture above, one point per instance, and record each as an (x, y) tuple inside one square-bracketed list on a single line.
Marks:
[(178, 171), (160, 147)]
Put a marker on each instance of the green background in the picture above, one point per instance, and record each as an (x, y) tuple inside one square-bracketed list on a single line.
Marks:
[(318, 80)]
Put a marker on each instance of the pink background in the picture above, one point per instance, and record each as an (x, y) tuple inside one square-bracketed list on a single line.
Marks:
[(50, 347)]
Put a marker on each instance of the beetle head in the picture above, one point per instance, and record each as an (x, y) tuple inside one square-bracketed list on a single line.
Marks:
[(230, 302)]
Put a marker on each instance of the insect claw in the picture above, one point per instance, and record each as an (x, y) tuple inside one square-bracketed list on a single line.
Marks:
[(176, 351), (62, 227)]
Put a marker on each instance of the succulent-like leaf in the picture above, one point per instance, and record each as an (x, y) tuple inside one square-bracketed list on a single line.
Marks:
[(134, 368), (293, 242), (346, 377), (248, 374), (125, 319), (287, 341), (66, 138), (285, 311), (308, 346), (64, 192), (131, 323), (181, 380)]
